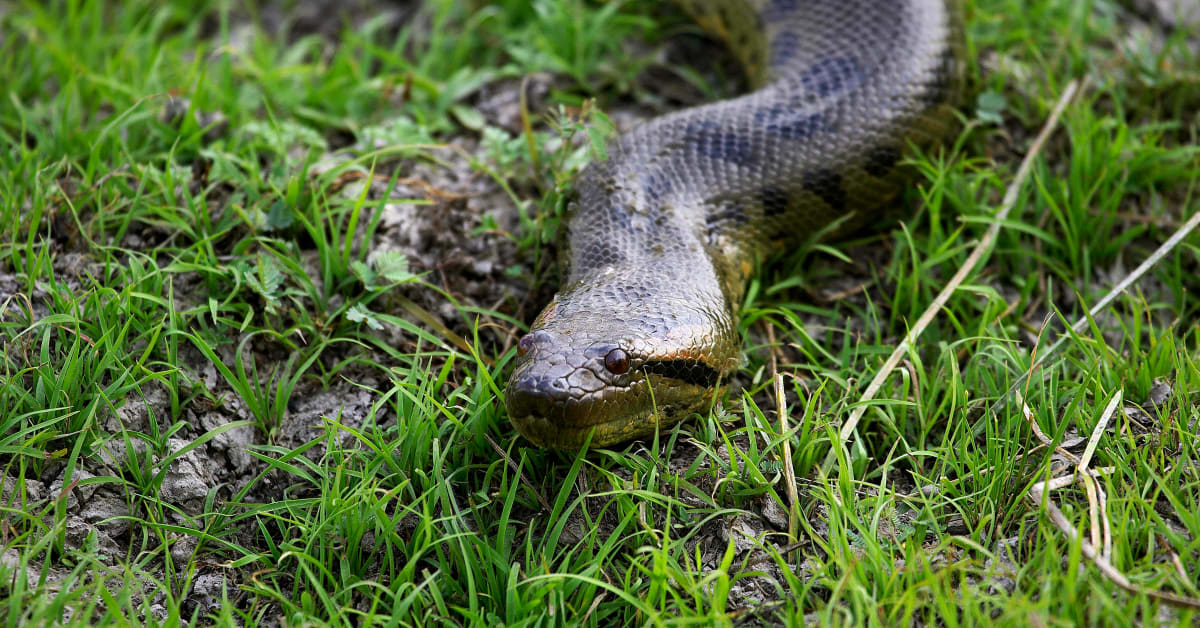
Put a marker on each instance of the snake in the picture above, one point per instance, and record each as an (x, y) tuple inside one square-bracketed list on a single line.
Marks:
[(662, 237)]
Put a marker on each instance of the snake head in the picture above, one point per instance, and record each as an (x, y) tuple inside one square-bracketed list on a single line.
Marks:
[(585, 370)]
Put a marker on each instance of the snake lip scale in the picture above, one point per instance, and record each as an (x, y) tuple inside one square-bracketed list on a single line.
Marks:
[(661, 239)]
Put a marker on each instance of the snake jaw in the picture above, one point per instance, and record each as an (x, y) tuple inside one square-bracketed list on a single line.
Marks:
[(559, 395), (566, 390), (569, 424), (593, 366)]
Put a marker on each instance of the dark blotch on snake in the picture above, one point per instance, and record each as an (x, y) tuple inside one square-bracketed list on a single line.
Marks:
[(709, 139), (881, 160), (787, 123), (832, 75), (774, 201), (688, 371), (828, 185), (731, 212)]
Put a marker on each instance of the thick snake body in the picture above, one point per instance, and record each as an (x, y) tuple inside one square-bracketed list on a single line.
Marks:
[(663, 236)]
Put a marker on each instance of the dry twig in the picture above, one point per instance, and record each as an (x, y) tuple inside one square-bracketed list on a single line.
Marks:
[(1101, 534), (1116, 291), (1038, 496), (789, 472)]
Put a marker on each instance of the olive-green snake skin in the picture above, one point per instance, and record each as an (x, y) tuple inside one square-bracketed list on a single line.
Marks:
[(663, 235)]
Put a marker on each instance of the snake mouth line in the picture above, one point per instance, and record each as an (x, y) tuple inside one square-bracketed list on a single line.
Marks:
[(549, 433), (664, 394), (656, 380), (692, 372)]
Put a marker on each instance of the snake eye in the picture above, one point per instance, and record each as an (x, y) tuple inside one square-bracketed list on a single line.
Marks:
[(617, 361), (524, 344)]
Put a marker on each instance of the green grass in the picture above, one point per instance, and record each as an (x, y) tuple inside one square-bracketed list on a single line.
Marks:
[(190, 296)]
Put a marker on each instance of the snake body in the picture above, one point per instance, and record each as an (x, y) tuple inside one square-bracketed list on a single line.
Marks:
[(663, 235)]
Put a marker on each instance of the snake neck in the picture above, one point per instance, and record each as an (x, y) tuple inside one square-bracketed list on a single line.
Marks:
[(636, 221), (642, 327), (643, 274)]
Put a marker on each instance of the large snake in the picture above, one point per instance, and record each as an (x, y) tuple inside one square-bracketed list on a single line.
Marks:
[(663, 236)]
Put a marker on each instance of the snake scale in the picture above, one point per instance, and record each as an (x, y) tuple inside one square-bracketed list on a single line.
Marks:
[(663, 235)]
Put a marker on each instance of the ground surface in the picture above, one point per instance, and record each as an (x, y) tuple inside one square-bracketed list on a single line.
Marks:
[(262, 271)]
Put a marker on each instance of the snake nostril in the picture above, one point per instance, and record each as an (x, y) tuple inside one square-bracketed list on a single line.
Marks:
[(524, 344), (617, 362), (537, 395)]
